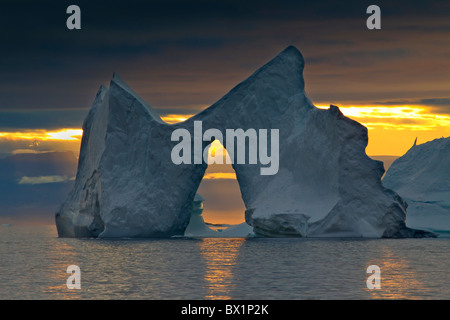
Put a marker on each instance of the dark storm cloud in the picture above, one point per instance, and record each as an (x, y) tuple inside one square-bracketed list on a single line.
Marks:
[(185, 54), (436, 102), (438, 105), (41, 119)]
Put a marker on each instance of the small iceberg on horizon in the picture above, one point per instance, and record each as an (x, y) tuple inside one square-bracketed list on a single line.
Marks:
[(197, 228)]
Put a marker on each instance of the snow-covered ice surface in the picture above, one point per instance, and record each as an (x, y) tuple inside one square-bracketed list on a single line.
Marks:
[(127, 185), (422, 177)]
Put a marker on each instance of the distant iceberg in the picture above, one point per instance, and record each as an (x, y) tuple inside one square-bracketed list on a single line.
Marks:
[(422, 177), (198, 229), (326, 186)]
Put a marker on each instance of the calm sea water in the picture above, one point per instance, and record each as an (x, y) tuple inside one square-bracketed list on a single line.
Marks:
[(34, 262)]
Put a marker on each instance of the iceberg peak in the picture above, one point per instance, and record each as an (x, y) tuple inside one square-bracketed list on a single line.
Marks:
[(289, 64), (292, 53), (118, 83)]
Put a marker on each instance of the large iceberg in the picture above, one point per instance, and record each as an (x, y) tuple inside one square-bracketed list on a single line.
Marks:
[(422, 177), (326, 186)]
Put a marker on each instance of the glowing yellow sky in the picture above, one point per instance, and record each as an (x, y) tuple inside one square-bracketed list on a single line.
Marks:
[(220, 175), (43, 135), (392, 130)]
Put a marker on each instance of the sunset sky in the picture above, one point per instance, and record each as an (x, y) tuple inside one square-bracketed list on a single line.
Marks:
[(182, 56)]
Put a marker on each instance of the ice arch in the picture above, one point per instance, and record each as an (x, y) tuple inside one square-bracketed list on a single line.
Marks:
[(127, 186)]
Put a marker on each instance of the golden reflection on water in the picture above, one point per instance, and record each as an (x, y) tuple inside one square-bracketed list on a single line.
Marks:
[(398, 279), (220, 256)]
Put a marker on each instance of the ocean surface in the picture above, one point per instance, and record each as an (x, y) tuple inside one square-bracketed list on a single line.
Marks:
[(34, 261)]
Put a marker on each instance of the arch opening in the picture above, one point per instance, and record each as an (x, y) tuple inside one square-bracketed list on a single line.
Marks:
[(218, 204)]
